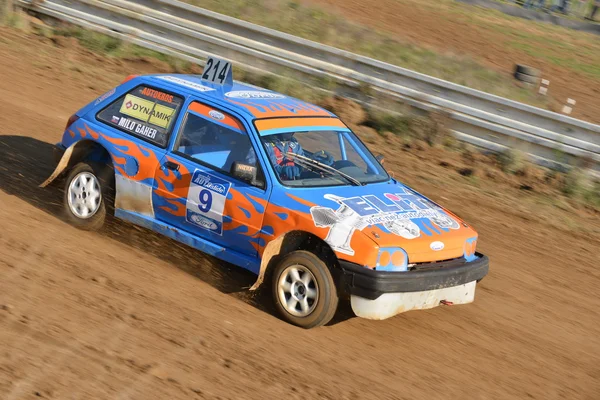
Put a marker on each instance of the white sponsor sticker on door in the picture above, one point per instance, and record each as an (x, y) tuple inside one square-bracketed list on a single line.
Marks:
[(206, 201)]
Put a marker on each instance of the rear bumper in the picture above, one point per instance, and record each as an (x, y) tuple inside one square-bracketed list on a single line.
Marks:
[(370, 284)]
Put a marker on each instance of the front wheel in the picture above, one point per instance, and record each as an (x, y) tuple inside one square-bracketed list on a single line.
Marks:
[(304, 290), (84, 202)]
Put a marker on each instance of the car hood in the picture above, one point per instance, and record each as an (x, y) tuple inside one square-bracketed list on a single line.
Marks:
[(393, 216)]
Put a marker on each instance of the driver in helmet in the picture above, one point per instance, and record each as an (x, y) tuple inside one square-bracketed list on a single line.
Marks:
[(277, 147)]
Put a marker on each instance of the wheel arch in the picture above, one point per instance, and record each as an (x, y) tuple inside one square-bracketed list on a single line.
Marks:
[(292, 241), (82, 150)]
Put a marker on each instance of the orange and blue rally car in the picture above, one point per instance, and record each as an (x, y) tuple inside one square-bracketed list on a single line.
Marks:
[(269, 183)]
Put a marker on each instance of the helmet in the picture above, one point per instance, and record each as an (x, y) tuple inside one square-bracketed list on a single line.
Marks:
[(280, 137)]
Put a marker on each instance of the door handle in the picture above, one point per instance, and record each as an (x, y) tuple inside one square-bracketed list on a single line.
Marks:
[(171, 165)]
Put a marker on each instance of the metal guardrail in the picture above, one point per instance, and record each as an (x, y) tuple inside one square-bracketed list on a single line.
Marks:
[(193, 33)]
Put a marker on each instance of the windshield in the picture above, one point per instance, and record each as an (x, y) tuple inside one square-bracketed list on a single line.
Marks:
[(312, 158)]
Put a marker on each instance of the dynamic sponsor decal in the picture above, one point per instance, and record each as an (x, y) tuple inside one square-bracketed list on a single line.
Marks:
[(155, 94), (395, 213), (105, 96), (137, 127), (191, 85), (253, 94), (216, 115), (147, 111), (206, 201)]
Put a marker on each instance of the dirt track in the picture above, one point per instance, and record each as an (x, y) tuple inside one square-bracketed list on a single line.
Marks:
[(129, 314)]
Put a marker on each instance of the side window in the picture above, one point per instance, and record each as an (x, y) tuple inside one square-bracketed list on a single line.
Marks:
[(215, 139), (144, 112)]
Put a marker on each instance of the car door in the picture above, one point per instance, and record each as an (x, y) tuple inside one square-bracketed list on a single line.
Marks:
[(196, 188), (136, 128)]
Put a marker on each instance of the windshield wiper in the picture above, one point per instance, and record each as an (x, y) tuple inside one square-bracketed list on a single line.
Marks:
[(324, 167)]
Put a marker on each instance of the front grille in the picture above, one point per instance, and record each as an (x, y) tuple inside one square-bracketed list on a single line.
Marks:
[(453, 262)]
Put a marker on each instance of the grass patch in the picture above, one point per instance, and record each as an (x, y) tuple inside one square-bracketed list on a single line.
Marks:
[(12, 17), (394, 123), (563, 58), (315, 24), (579, 185), (109, 46), (510, 161)]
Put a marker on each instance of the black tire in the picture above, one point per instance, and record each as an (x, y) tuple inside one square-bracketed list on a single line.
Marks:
[(525, 70), (102, 175), (526, 78), (327, 302)]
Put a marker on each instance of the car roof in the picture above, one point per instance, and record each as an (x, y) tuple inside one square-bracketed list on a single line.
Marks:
[(252, 101)]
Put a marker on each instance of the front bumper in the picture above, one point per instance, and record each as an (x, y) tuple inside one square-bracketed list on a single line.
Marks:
[(382, 294)]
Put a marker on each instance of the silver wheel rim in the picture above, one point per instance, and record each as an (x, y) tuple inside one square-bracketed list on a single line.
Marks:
[(298, 290), (84, 195)]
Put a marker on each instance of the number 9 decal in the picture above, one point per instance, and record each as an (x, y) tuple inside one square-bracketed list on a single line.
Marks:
[(205, 200)]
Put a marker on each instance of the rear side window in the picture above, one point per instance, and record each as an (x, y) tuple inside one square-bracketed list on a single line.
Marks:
[(144, 112)]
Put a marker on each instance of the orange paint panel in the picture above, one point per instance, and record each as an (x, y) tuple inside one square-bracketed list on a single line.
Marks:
[(179, 208), (238, 207), (398, 258), (180, 185), (384, 258), (300, 200), (228, 120), (288, 109), (280, 123), (366, 250), (146, 159), (92, 133), (119, 160)]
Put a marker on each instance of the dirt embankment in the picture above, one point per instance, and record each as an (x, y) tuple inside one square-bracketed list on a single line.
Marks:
[(128, 314), (426, 25)]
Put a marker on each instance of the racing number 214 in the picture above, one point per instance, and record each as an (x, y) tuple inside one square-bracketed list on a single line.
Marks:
[(205, 198), (217, 68)]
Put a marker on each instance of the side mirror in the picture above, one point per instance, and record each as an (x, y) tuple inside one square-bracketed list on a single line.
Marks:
[(245, 173), (380, 158)]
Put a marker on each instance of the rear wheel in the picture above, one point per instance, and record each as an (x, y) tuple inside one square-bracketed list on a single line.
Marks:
[(304, 290), (84, 197)]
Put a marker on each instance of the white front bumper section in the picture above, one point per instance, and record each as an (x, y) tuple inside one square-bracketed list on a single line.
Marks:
[(389, 304)]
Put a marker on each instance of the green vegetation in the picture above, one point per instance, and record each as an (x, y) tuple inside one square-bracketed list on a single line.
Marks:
[(560, 55), (384, 122), (570, 49), (577, 184), (315, 24), (11, 17), (109, 46), (510, 160), (431, 128)]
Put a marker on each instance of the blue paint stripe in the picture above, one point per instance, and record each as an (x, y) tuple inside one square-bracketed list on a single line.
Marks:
[(432, 227), (242, 260), (303, 129), (424, 229)]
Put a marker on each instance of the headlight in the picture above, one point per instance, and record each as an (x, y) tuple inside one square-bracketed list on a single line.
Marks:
[(392, 259), (470, 247)]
